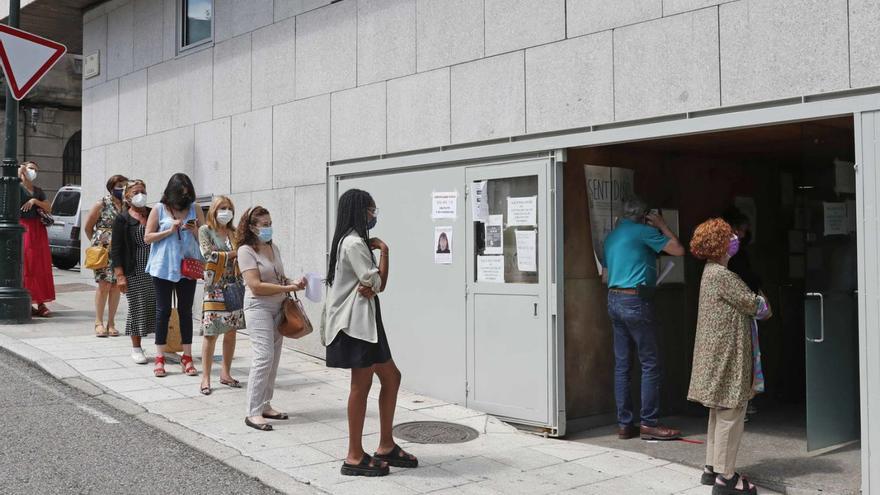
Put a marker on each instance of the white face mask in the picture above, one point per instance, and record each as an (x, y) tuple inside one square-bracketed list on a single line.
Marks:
[(224, 216), (31, 174), (139, 200)]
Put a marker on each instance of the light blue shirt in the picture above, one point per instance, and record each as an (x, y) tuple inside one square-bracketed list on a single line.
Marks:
[(631, 255), (166, 255)]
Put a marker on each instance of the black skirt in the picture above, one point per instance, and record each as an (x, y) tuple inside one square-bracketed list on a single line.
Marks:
[(349, 352)]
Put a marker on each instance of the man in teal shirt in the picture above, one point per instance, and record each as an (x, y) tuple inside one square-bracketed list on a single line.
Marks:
[(631, 251)]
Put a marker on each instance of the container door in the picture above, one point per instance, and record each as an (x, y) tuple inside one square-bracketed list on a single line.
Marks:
[(511, 332), (423, 308), (827, 198)]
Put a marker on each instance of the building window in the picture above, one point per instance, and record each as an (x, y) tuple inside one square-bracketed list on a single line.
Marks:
[(70, 165), (197, 20)]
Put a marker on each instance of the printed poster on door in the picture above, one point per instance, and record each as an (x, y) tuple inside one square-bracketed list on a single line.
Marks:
[(442, 246), (607, 189), (444, 205)]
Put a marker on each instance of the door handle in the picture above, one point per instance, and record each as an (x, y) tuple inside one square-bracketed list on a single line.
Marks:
[(536, 310), (821, 298)]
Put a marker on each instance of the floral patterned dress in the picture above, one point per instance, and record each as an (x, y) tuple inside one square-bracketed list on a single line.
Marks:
[(220, 270), (723, 370), (103, 233)]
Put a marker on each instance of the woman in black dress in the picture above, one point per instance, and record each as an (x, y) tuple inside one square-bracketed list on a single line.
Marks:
[(352, 330), (129, 255)]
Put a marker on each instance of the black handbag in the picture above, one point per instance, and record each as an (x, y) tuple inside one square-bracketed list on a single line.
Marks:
[(47, 219), (233, 296)]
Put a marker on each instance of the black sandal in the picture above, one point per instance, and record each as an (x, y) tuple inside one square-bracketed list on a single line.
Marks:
[(232, 383), (279, 416), (205, 390), (258, 426), (729, 486), (367, 467), (398, 458), (709, 475)]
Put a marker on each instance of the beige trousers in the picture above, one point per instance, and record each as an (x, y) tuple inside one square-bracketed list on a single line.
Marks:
[(723, 438)]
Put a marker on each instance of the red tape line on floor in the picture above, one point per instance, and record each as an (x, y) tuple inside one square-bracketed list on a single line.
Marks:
[(686, 440)]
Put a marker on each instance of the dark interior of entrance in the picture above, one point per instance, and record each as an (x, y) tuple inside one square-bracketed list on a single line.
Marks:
[(784, 176)]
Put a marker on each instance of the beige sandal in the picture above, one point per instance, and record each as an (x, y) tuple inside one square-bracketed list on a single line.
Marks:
[(111, 330), (100, 333)]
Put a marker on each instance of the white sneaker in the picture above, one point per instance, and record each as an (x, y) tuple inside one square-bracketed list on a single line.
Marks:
[(139, 357)]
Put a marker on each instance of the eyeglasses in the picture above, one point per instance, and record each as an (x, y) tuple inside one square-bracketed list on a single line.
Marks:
[(373, 210)]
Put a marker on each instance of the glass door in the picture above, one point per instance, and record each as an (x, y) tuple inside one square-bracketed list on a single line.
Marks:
[(826, 210), (511, 341)]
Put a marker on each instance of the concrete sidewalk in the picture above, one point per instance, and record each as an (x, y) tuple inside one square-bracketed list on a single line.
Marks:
[(303, 455)]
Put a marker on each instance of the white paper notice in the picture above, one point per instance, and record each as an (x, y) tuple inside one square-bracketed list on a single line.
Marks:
[(835, 218), (495, 235), (522, 211), (526, 250), (479, 206), (442, 246), (444, 204), (315, 284), (490, 269)]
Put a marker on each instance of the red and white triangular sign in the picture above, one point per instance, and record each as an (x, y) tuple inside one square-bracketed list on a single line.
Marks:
[(26, 58)]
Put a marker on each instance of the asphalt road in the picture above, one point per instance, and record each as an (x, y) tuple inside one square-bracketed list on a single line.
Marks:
[(56, 440)]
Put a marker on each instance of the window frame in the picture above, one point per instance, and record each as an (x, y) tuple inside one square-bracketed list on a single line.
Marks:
[(181, 28)]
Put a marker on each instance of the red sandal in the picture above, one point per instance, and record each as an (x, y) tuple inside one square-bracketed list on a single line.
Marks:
[(186, 362), (159, 370)]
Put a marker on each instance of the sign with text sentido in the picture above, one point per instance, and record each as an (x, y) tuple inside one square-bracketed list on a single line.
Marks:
[(26, 58)]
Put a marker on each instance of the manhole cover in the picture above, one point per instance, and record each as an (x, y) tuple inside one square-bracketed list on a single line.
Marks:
[(435, 432)]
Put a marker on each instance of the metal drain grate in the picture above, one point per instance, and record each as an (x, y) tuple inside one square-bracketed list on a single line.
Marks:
[(435, 432)]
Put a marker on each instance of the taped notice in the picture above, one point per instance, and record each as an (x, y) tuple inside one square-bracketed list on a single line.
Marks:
[(526, 250), (479, 206), (490, 269), (442, 245), (444, 204), (522, 211), (495, 235)]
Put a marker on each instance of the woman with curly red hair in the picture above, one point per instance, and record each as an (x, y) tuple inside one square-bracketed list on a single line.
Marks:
[(722, 373)]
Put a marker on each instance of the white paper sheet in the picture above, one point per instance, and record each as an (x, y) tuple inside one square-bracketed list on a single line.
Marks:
[(522, 211), (526, 250), (314, 287), (442, 253), (444, 205), (495, 235), (835, 218), (479, 205), (490, 269)]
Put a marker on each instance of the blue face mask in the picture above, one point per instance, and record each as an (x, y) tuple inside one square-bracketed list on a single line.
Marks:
[(265, 234), (117, 193), (371, 223)]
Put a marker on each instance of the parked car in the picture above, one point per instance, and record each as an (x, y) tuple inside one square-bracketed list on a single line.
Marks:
[(64, 233)]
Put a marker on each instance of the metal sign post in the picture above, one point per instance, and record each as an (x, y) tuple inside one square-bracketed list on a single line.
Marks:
[(15, 302)]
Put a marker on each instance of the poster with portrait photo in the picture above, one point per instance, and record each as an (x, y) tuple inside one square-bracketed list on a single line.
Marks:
[(443, 245)]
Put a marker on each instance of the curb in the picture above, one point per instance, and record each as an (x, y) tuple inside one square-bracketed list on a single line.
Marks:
[(229, 456)]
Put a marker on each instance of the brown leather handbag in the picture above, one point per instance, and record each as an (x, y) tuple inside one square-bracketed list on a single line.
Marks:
[(295, 324)]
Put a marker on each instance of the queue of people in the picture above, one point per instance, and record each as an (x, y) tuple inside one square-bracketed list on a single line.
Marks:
[(726, 372), (156, 254)]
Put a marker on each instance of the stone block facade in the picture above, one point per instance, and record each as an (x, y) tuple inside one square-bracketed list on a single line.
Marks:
[(287, 85)]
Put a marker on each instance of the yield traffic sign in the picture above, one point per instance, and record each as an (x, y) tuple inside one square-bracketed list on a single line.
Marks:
[(26, 58)]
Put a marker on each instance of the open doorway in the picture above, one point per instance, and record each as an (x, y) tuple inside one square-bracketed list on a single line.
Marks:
[(796, 184)]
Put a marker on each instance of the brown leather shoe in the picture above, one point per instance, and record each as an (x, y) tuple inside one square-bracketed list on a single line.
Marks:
[(659, 432), (627, 432)]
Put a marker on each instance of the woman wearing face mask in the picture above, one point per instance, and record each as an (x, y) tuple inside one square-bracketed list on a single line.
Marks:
[(722, 376), (172, 233), (265, 289), (353, 332), (37, 258), (216, 241), (98, 228), (128, 255)]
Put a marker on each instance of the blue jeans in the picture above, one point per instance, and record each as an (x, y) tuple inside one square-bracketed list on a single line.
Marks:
[(632, 320)]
